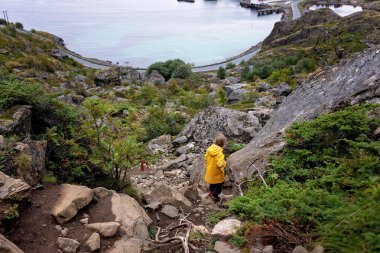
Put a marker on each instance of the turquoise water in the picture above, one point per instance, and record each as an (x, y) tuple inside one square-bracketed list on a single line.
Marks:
[(343, 10), (138, 32)]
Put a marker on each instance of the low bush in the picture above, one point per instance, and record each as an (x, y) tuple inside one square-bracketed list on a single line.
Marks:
[(326, 181), (221, 74), (171, 68)]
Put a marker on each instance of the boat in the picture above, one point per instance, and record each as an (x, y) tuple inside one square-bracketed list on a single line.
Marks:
[(189, 1)]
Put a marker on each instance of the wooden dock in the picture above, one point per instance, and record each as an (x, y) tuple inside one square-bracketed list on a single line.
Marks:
[(262, 9)]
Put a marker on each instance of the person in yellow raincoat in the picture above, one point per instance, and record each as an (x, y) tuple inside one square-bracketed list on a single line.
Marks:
[(215, 165)]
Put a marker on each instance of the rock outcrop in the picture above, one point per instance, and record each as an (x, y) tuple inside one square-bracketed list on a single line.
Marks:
[(117, 76), (354, 80), (10, 187), (35, 151), (236, 125), (17, 120), (72, 199), (166, 195), (7, 246)]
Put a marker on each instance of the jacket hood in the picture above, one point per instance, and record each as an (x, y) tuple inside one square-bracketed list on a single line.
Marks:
[(214, 150)]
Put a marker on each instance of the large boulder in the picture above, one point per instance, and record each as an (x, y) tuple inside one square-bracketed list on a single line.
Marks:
[(105, 229), (132, 217), (197, 173), (133, 245), (93, 243), (35, 152), (7, 246), (117, 76), (68, 245), (236, 95), (224, 247), (226, 228), (166, 195), (72, 198), (17, 120), (354, 80), (155, 78), (160, 144), (236, 125), (10, 187)]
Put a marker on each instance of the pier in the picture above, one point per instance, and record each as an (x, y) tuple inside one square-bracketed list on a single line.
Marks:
[(262, 9)]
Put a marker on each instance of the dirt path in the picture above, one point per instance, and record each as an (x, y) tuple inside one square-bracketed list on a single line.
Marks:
[(36, 231)]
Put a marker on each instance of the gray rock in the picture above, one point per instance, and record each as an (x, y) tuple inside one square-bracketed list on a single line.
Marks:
[(68, 245), (300, 249), (132, 244), (226, 228), (255, 250), (174, 164), (72, 198), (132, 217), (154, 206), (233, 80), (237, 86), (7, 246), (84, 221), (155, 78), (19, 122), (117, 76), (236, 95), (264, 87), (185, 149), (2, 142), (283, 89), (170, 211), (318, 249), (267, 101), (159, 144), (10, 187), (80, 78), (268, 249), (235, 125), (101, 192), (36, 153), (223, 247), (106, 229), (180, 140), (354, 80), (166, 195), (93, 243)]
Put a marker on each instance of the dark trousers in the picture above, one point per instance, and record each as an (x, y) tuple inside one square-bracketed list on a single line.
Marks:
[(216, 189)]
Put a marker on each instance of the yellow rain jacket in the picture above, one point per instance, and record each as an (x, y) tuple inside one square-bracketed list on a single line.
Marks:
[(215, 165)]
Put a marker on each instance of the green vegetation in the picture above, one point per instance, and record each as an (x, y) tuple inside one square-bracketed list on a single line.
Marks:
[(326, 182), (19, 25), (45, 105), (221, 97), (158, 122), (171, 69), (215, 217), (221, 74), (230, 65)]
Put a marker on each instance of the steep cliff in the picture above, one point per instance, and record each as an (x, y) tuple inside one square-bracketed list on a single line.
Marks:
[(355, 80)]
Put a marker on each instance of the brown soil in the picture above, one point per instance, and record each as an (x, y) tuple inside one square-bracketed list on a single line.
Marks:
[(36, 233)]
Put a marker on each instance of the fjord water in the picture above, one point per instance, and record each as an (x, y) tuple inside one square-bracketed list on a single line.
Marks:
[(140, 32)]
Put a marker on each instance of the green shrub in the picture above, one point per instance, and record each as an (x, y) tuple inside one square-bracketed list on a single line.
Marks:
[(46, 108), (327, 179), (33, 30), (195, 101), (234, 146), (238, 240), (279, 76), (221, 73), (183, 71), (169, 68), (215, 217), (3, 21), (19, 25), (230, 65), (305, 65), (158, 122), (221, 97)]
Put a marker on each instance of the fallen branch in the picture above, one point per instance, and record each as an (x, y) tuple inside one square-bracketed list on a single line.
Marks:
[(183, 239)]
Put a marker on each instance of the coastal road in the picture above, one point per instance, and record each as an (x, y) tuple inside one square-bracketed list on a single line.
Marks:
[(295, 10)]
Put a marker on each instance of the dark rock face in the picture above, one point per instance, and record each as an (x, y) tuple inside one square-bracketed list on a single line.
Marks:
[(354, 80), (283, 89), (236, 125), (36, 153), (20, 121), (117, 76)]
